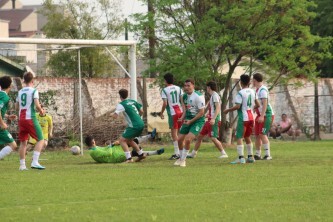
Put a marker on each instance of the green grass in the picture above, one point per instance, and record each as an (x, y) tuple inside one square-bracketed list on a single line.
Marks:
[(295, 186)]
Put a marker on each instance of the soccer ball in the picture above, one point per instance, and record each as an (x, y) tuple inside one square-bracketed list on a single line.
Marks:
[(75, 150)]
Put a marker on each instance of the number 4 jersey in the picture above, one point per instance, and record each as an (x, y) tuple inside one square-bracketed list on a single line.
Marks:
[(26, 102), (245, 98)]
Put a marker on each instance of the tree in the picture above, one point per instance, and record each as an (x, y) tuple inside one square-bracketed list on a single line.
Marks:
[(323, 25), (195, 38), (80, 19)]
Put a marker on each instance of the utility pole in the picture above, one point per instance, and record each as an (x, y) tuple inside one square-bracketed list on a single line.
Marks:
[(316, 112)]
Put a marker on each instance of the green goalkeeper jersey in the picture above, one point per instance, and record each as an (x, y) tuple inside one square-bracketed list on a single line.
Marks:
[(130, 108), (109, 154)]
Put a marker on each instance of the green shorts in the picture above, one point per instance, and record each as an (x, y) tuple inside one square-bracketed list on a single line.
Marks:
[(131, 133), (194, 128), (5, 137)]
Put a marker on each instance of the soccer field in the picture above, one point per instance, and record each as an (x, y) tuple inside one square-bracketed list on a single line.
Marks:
[(295, 186)]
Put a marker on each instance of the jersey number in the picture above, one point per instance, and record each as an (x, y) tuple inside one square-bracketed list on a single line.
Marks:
[(135, 109), (174, 96), (23, 99), (249, 101)]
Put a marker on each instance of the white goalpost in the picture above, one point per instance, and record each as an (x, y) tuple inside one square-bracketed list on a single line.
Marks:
[(78, 45)]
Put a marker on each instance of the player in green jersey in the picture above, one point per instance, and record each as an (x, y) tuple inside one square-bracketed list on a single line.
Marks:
[(5, 136)]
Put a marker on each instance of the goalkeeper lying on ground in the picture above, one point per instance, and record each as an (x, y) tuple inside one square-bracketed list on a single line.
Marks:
[(114, 153)]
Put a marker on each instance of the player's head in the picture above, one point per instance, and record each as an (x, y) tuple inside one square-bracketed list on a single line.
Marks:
[(245, 80), (257, 79), (211, 86), (89, 141), (189, 86), (28, 77), (5, 82), (168, 77), (123, 93)]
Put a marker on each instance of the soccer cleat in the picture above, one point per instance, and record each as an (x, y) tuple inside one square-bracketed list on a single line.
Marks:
[(37, 167), (177, 163), (267, 158), (250, 159), (174, 157), (22, 168), (160, 151), (141, 157), (237, 161), (223, 156), (182, 163), (129, 161), (153, 133), (257, 157)]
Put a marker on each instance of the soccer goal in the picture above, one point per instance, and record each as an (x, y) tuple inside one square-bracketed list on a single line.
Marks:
[(64, 68)]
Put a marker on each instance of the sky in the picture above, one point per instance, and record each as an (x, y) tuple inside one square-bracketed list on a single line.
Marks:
[(128, 6)]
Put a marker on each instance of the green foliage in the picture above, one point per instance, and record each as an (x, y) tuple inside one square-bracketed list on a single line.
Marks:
[(81, 19), (295, 186), (195, 38), (322, 25)]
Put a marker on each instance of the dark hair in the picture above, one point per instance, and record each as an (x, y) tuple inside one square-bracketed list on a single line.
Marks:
[(190, 80), (257, 76), (89, 140), (5, 82), (283, 114), (27, 77), (123, 93), (168, 77), (212, 85), (245, 79)]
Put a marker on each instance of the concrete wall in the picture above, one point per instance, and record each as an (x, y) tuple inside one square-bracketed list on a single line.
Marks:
[(4, 27), (100, 96)]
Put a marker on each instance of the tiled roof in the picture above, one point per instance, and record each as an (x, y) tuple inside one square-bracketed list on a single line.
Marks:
[(3, 2), (15, 16)]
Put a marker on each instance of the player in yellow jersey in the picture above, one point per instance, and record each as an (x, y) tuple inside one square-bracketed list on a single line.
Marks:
[(46, 123)]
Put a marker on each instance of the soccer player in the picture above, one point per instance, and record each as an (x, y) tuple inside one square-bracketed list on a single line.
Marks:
[(171, 96), (132, 111), (27, 102), (244, 101), (5, 136), (193, 103), (264, 119), (113, 153), (211, 127), (46, 123)]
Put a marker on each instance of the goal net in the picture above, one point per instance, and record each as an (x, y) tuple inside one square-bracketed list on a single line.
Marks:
[(74, 84)]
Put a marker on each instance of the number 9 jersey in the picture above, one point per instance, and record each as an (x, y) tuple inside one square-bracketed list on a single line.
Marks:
[(25, 100)]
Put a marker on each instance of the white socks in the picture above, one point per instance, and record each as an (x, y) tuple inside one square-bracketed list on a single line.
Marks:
[(35, 158), (267, 149), (258, 152), (176, 148), (249, 149), (22, 162), (5, 151), (128, 155), (194, 152), (149, 153), (143, 138), (184, 155), (240, 150), (181, 152)]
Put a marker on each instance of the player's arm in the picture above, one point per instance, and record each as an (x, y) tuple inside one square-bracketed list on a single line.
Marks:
[(165, 102), (38, 106), (3, 125), (263, 111), (217, 112), (141, 111), (257, 104), (198, 116), (50, 126), (119, 109), (184, 109), (235, 107)]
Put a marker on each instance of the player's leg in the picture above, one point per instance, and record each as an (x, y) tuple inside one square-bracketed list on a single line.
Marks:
[(6, 138), (258, 143), (181, 139), (248, 141), (196, 146), (124, 145), (35, 132), (214, 134), (145, 138), (22, 152), (264, 137), (174, 125), (240, 130)]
